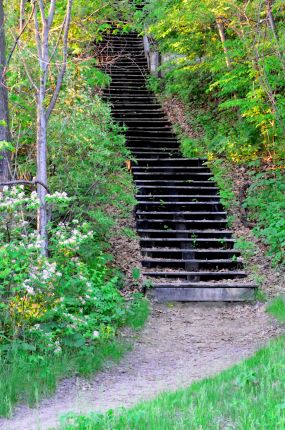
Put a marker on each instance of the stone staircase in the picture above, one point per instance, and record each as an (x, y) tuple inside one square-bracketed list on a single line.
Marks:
[(188, 251)]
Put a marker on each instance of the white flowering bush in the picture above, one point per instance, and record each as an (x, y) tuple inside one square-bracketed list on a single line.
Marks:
[(69, 300)]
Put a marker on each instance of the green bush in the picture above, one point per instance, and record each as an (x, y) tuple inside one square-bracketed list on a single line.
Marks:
[(266, 206)]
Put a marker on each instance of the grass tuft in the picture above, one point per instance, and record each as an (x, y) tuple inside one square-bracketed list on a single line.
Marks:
[(277, 308)]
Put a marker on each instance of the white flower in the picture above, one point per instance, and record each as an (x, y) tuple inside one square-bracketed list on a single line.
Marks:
[(95, 333), (29, 289)]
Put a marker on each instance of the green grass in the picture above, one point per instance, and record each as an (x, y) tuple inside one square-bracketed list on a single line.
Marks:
[(277, 308), (249, 396), (24, 379), (28, 378)]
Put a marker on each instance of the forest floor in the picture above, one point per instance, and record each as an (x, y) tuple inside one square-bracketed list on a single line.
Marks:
[(180, 343)]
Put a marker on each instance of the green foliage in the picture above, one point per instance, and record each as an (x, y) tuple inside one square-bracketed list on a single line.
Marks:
[(221, 171), (59, 314), (227, 60), (266, 205), (233, 399), (248, 248), (69, 300), (138, 312)]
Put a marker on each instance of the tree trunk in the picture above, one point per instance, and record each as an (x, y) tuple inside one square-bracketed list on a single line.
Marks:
[(221, 30), (42, 173), (4, 112), (22, 14)]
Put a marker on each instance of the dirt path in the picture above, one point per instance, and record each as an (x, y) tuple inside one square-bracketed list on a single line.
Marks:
[(180, 344)]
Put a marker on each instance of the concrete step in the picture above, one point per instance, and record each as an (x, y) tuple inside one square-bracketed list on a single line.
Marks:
[(201, 292)]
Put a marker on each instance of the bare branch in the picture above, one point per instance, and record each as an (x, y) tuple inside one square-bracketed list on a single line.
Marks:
[(51, 14), (42, 9), (58, 40), (63, 68), (37, 33), (17, 39)]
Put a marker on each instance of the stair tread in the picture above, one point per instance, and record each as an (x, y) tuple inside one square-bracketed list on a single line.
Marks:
[(188, 239), (179, 213), (173, 260), (175, 196), (203, 284), (194, 273), (141, 230), (199, 251)]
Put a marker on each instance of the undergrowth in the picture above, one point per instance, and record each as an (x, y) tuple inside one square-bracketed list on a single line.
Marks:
[(61, 314), (28, 377), (266, 205)]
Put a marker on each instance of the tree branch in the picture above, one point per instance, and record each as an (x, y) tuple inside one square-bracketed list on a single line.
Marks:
[(51, 14), (24, 182), (18, 38), (37, 33), (63, 68)]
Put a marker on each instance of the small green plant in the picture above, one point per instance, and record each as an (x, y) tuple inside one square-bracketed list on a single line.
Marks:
[(221, 171), (248, 248), (260, 296), (129, 232), (148, 284), (136, 273), (277, 308)]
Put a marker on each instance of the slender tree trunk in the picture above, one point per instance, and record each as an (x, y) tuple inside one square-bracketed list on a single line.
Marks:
[(22, 14), (272, 26), (221, 30), (271, 19), (4, 112), (42, 32), (42, 172)]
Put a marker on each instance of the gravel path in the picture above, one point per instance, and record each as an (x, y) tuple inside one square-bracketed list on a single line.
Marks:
[(180, 344)]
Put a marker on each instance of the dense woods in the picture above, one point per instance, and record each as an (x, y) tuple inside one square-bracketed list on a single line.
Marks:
[(63, 180)]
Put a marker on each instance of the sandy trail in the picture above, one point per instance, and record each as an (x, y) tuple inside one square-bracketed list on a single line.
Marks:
[(180, 344)]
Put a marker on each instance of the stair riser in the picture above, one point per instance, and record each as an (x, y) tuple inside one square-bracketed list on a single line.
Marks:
[(167, 224), (186, 254), (198, 294), (177, 198), (195, 216), (197, 278), (190, 192), (184, 235), (191, 266), (189, 244)]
